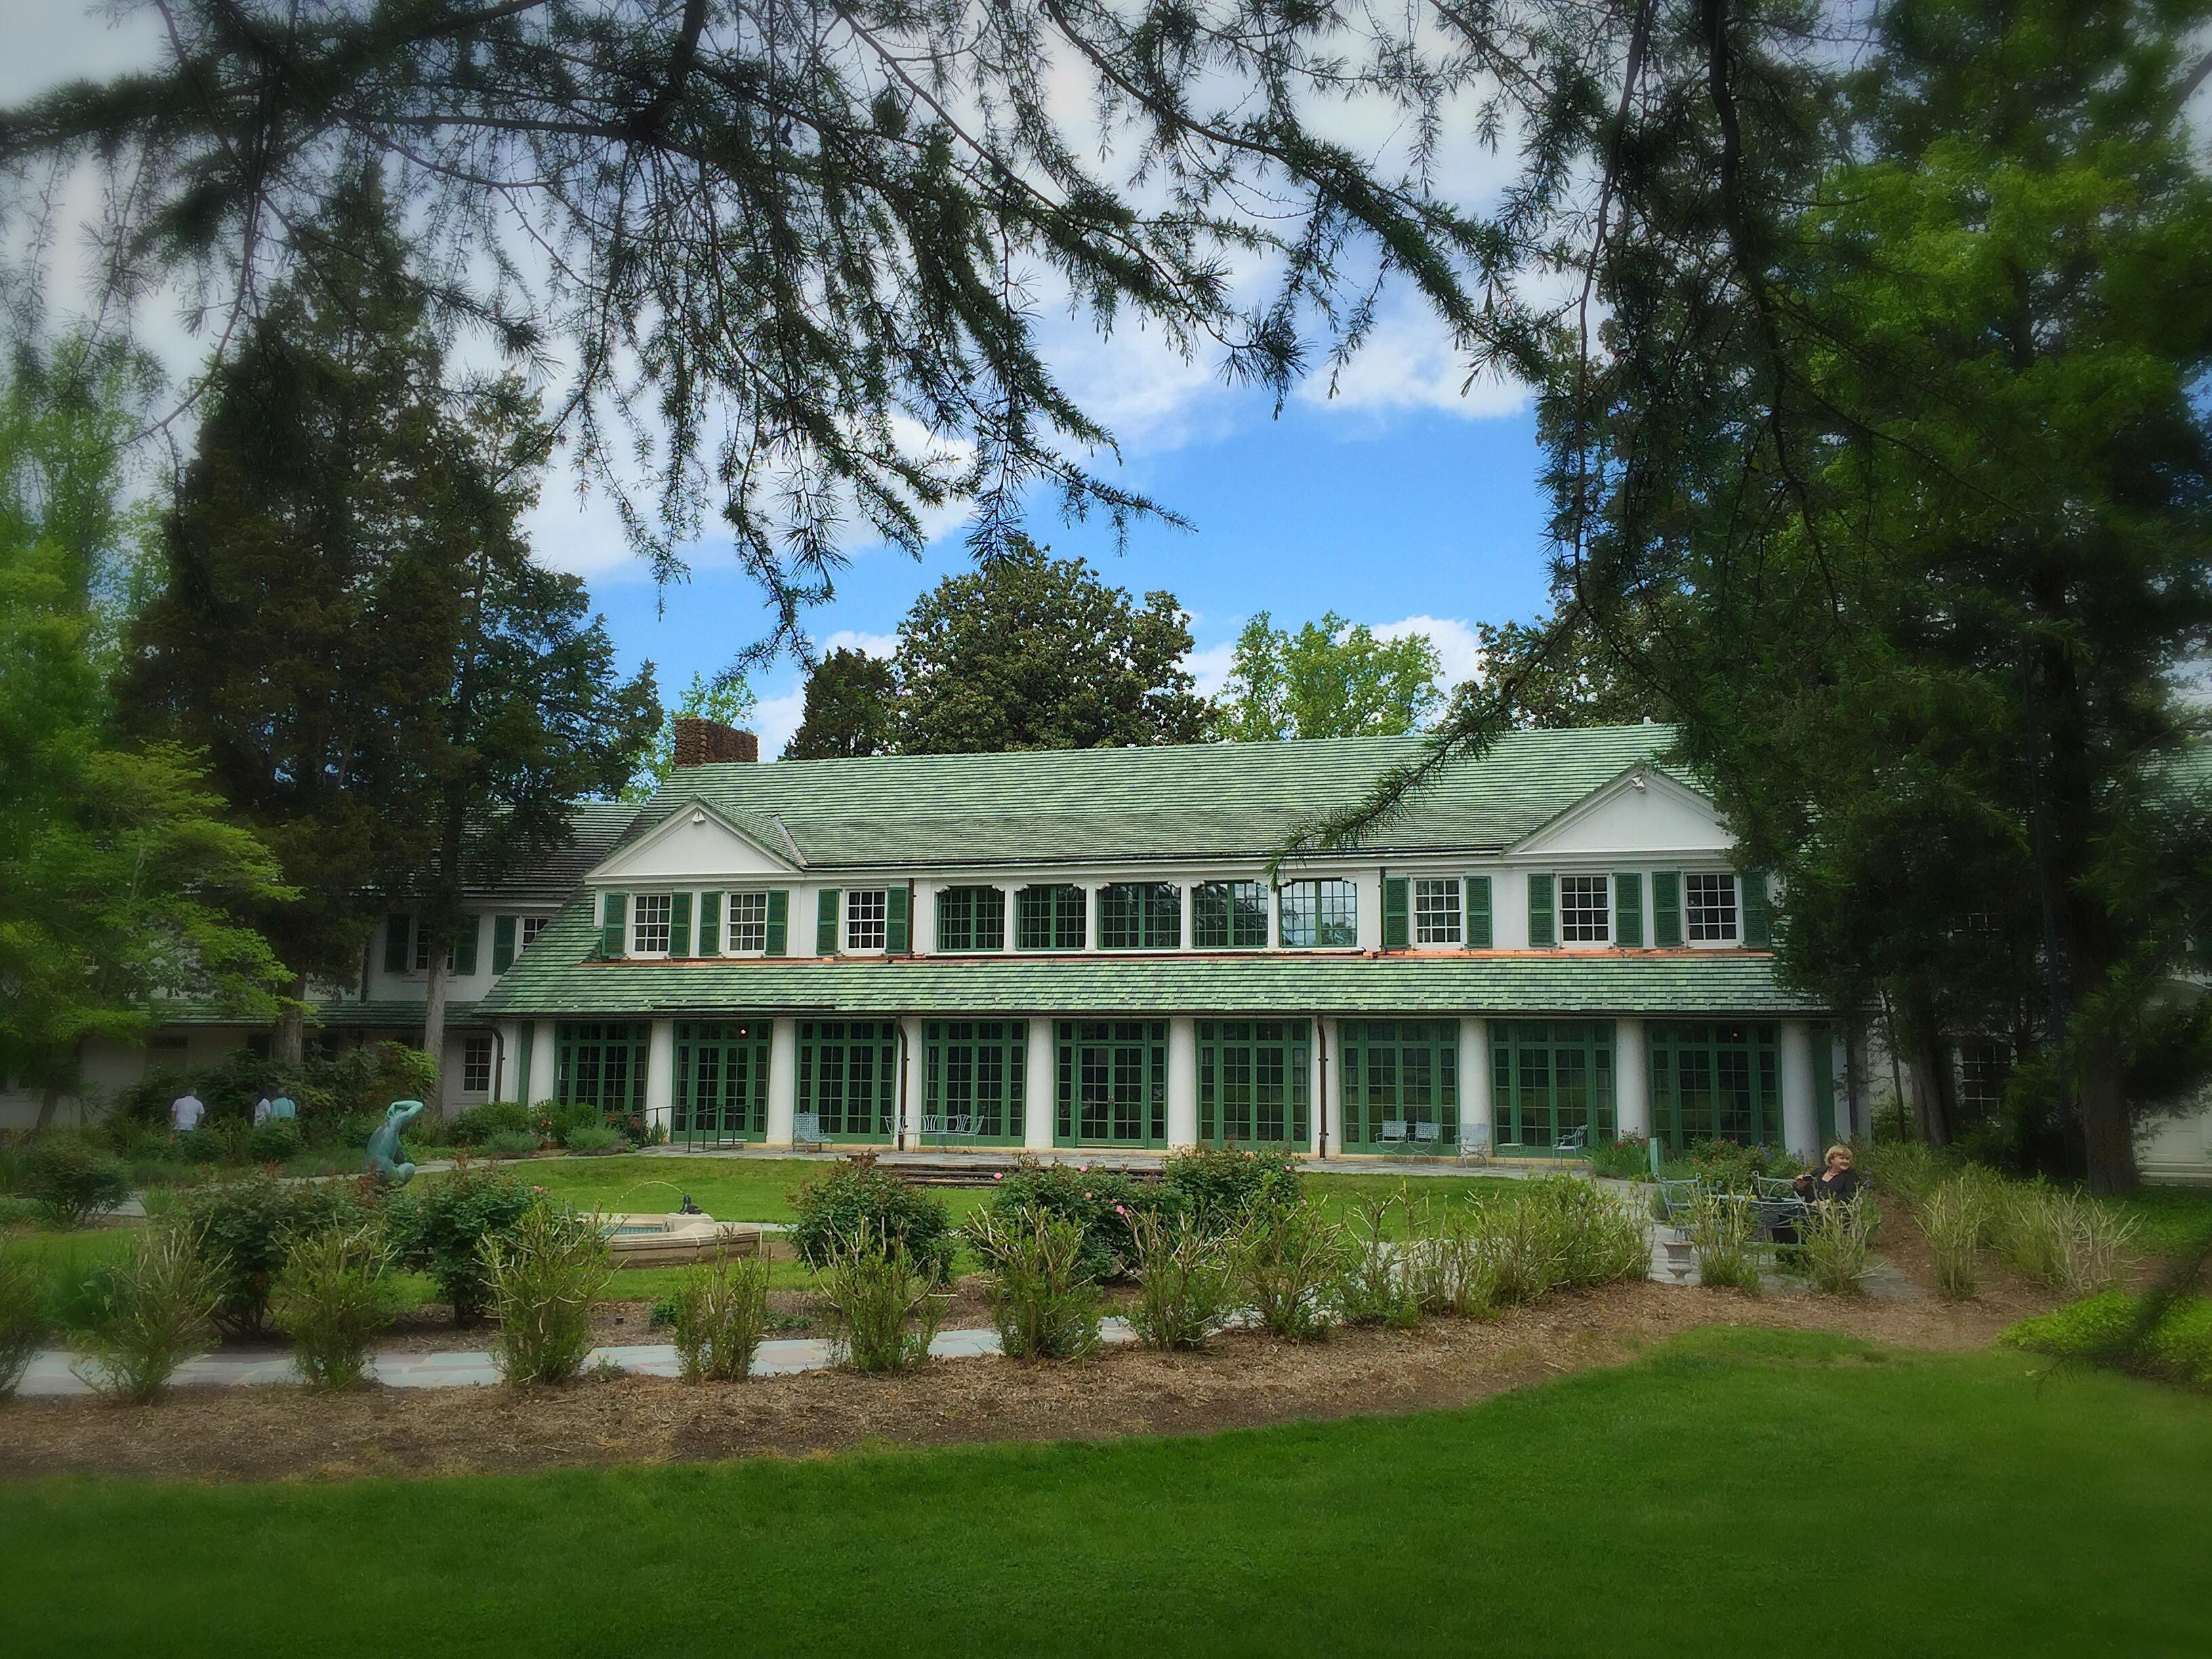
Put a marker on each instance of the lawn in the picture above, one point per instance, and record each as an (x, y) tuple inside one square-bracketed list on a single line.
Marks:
[(1732, 1493)]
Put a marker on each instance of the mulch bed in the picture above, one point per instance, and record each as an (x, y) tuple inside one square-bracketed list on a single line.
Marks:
[(1241, 1379)]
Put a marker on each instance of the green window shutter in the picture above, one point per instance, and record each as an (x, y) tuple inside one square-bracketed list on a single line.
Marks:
[(1628, 908), (779, 921), (1757, 927), (1478, 913), (710, 924), (465, 945), (1539, 911), (895, 921), (398, 932), (502, 944), (1667, 908), (679, 925), (614, 914), (1397, 927), (825, 922)]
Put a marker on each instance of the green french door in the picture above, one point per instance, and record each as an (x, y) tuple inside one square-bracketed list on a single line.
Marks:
[(602, 1063), (1550, 1078), (974, 1076), (1113, 1082), (1715, 1080), (1399, 1085), (721, 1082), (848, 1080), (1253, 1083)]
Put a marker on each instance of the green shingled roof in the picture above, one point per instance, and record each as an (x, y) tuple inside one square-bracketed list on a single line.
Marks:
[(1196, 800), (595, 827), (554, 978), (390, 1015)]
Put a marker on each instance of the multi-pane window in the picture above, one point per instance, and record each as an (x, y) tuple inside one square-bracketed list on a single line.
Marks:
[(866, 913), (847, 1077), (1253, 1082), (972, 1081), (1715, 1082), (1140, 916), (1229, 915), (1984, 1067), (1112, 1086), (602, 1064), (648, 931), (475, 1066), (1551, 1081), (1397, 1082), (1585, 909), (423, 950), (1435, 911), (720, 1094), (748, 923), (971, 918), (1051, 919), (532, 927), (1320, 914), (1709, 910)]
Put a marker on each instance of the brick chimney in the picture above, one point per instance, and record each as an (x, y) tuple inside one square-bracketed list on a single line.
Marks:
[(703, 743)]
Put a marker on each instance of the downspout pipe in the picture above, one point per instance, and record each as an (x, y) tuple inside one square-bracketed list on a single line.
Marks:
[(1321, 1106)]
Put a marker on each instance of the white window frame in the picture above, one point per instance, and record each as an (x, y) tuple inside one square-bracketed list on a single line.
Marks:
[(1586, 882), (867, 920), (664, 907), (526, 933), (1712, 939), (1436, 923), (471, 1048), (757, 924), (1350, 891), (420, 930)]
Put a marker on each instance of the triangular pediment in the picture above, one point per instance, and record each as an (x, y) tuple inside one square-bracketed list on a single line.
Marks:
[(1644, 811), (693, 843)]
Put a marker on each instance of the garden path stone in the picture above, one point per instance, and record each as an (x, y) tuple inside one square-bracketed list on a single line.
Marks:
[(49, 1375)]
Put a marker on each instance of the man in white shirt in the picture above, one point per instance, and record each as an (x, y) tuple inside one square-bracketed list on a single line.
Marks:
[(186, 1113), (261, 1111)]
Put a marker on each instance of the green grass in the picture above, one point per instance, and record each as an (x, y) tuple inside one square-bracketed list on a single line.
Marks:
[(1734, 1493), (2167, 1218)]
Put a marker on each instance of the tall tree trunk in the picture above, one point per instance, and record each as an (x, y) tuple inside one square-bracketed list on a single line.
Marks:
[(291, 1048), (49, 1103), (434, 1027), (2108, 1130)]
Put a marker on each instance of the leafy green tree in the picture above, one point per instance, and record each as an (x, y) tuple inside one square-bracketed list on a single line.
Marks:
[(1547, 676), (1330, 680), (119, 871), (852, 708), (729, 701), (1031, 652)]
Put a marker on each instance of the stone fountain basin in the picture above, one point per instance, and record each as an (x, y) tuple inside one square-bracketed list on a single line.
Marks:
[(661, 1241)]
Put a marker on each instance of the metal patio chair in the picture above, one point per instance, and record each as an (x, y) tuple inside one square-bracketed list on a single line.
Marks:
[(1474, 1144), (1575, 1141), (1678, 1199), (1394, 1132)]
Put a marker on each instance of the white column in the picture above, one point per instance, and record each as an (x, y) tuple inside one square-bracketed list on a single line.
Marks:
[(1801, 1118), (910, 1029), (1632, 1079), (659, 1073), (506, 1060), (782, 1080), (544, 1062), (1319, 1059), (1040, 1087), (1478, 1114), (1183, 1081), (1332, 1101)]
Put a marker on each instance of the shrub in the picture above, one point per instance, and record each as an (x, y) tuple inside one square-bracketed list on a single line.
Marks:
[(71, 1181), (274, 1142), (1373, 1286), (1627, 1158), (557, 1119), (22, 1317), (206, 1144), (719, 1314), (1521, 1242), (245, 1230), (155, 1316), (1731, 1166), (1218, 1188), (1449, 1271), (856, 1201), (2101, 1329), (545, 1273), (1834, 1243), (1724, 1235), (443, 1225), (509, 1143), (1910, 1169), (1955, 1216), (884, 1307), (1289, 1259), (335, 1297), (1042, 1299), (1099, 1201), (480, 1123), (1599, 1238), (1186, 1281), (2069, 1242), (594, 1139)]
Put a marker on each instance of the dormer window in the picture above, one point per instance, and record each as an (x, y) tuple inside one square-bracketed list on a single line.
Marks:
[(867, 912), (1320, 915), (1437, 911), (649, 925), (1709, 908), (748, 924), (1586, 909)]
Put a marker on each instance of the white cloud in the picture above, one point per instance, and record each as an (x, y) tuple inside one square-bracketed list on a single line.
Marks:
[(1409, 361), (1210, 667), (774, 719), (868, 645), (1453, 640)]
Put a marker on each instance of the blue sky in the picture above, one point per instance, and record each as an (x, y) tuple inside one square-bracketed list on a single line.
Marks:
[(1417, 516)]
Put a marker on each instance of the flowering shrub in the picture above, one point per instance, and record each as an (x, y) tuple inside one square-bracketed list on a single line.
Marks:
[(853, 1201), (442, 1226), (1099, 1201), (1728, 1164), (1216, 1187)]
